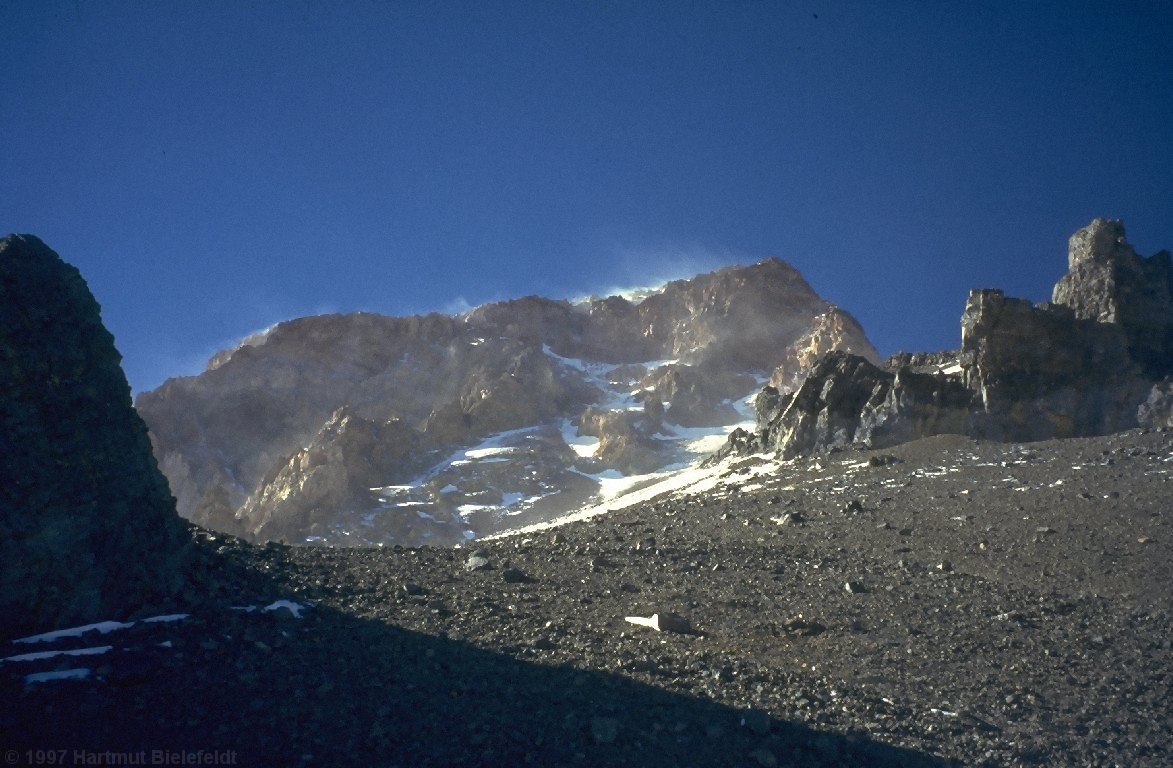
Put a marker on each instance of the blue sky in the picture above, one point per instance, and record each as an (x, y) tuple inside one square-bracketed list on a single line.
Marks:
[(213, 168)]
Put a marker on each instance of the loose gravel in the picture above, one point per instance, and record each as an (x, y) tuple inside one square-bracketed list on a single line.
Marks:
[(945, 602)]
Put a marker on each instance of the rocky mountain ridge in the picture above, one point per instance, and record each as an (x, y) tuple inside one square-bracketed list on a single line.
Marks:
[(1096, 360), (518, 409)]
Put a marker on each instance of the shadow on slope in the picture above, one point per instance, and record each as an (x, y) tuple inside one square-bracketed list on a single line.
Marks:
[(266, 688)]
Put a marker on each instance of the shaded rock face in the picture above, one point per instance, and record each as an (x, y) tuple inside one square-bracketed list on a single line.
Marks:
[(846, 399), (1087, 364), (1041, 372), (88, 529), (683, 356)]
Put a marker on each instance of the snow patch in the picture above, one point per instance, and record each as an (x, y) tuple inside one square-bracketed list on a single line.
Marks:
[(40, 655), (80, 673), (583, 446), (101, 627), (295, 608)]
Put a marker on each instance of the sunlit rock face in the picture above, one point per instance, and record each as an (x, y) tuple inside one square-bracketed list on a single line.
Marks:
[(516, 410), (1107, 282), (348, 458), (88, 530), (1096, 360)]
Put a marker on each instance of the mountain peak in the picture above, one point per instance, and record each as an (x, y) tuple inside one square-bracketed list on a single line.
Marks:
[(557, 394)]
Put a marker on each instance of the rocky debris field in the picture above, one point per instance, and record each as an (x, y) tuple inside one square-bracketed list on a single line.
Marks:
[(944, 602)]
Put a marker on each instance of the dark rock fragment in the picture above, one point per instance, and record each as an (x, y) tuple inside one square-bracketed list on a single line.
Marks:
[(514, 576)]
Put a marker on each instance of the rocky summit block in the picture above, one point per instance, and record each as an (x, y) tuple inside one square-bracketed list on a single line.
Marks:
[(1107, 282), (88, 528), (1096, 360)]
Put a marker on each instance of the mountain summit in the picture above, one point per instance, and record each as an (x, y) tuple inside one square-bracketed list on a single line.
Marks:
[(363, 428)]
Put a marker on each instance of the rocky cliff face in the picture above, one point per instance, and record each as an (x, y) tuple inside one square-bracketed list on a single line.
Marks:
[(88, 529), (523, 408), (1108, 283), (1087, 364), (846, 399)]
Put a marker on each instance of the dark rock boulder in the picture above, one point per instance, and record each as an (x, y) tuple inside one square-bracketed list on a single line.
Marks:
[(825, 410), (88, 528)]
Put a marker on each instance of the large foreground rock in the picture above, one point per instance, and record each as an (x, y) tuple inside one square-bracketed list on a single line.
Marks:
[(88, 528)]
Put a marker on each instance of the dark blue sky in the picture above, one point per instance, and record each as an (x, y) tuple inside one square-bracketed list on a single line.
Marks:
[(213, 168)]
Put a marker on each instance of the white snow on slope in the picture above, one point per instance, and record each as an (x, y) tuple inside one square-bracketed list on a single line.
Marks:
[(81, 673), (622, 492), (294, 608), (694, 444), (101, 627), (583, 445), (40, 655)]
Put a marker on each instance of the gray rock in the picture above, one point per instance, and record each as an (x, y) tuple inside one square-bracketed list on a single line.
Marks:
[(513, 576), (477, 561), (1156, 412), (1107, 282)]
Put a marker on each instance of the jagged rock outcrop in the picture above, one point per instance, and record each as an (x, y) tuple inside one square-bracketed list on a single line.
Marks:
[(626, 440), (348, 458), (832, 331), (1085, 364), (88, 529), (1041, 372), (1156, 412), (683, 355), (1108, 283), (945, 361), (846, 399)]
